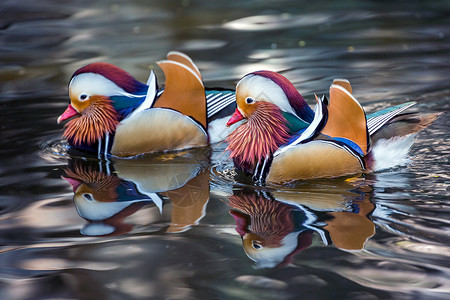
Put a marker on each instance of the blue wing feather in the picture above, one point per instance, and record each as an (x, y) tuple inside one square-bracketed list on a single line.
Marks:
[(124, 104)]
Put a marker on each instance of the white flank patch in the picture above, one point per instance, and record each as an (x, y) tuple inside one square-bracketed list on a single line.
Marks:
[(392, 152)]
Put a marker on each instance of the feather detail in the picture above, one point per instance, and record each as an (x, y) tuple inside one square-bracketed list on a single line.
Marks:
[(115, 74), (98, 119), (404, 124), (103, 186), (269, 219), (294, 97), (263, 133)]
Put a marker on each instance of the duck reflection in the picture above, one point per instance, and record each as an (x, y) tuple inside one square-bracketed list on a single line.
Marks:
[(107, 193), (276, 226)]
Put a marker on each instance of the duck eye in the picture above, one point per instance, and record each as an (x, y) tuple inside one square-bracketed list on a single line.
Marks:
[(249, 100), (83, 97), (256, 245), (88, 197)]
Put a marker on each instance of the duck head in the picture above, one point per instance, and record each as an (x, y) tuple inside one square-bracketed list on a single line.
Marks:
[(272, 109), (101, 94), (272, 231)]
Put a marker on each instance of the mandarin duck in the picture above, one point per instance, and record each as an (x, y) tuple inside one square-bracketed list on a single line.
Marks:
[(274, 226), (106, 193), (282, 139), (272, 232), (104, 199), (112, 113)]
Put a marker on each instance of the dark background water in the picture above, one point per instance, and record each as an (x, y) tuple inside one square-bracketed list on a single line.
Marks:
[(391, 51)]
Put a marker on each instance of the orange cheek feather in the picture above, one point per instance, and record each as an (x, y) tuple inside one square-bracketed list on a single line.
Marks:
[(97, 119), (82, 105)]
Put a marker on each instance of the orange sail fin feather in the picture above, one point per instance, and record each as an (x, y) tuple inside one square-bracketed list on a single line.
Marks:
[(344, 83), (184, 91), (185, 60), (346, 118)]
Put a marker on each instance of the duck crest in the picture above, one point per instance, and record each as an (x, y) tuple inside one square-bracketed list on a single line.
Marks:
[(98, 119), (294, 97), (120, 77), (263, 133)]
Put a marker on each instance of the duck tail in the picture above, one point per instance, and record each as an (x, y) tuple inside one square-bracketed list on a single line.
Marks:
[(392, 141), (404, 124)]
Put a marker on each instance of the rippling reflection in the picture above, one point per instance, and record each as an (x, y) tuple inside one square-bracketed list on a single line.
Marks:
[(276, 226), (391, 51), (107, 193)]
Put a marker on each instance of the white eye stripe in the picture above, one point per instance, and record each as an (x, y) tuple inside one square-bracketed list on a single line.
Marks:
[(264, 89), (94, 84)]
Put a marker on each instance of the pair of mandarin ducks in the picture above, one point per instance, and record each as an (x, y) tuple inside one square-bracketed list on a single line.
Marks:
[(277, 138)]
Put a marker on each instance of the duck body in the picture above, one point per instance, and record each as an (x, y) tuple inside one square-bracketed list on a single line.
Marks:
[(106, 193), (275, 226), (114, 114), (278, 144)]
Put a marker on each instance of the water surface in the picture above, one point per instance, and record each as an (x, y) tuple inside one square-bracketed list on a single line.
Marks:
[(179, 225)]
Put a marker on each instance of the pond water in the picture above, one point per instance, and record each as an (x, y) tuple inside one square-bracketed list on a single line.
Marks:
[(179, 225)]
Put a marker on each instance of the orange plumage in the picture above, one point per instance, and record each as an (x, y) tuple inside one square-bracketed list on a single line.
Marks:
[(102, 186), (270, 220), (259, 137), (96, 120)]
